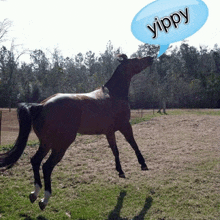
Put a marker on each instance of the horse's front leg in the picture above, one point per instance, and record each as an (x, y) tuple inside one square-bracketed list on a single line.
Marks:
[(126, 130), (112, 142)]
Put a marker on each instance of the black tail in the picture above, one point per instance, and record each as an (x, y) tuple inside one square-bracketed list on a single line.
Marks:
[(9, 158)]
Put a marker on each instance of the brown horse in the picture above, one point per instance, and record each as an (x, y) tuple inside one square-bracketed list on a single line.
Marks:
[(58, 119)]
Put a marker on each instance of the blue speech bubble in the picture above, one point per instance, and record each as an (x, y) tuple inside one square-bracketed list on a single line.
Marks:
[(167, 21)]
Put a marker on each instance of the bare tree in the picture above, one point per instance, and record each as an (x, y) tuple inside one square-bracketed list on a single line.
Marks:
[(4, 28)]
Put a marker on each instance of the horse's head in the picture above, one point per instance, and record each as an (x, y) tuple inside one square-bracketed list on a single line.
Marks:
[(119, 83), (136, 65)]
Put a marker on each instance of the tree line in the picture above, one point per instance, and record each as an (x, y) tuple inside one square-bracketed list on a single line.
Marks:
[(184, 77)]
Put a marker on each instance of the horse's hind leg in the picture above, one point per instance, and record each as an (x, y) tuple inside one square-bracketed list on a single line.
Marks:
[(126, 130), (112, 143), (48, 167), (35, 162)]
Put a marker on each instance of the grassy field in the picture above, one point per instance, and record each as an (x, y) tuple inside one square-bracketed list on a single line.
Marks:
[(183, 182)]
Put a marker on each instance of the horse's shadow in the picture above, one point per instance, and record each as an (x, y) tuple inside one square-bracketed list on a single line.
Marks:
[(27, 217), (115, 214)]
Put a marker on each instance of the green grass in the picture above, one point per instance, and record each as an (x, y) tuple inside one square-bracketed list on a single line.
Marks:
[(177, 112), (214, 112), (9, 146), (144, 118), (170, 197), (93, 202)]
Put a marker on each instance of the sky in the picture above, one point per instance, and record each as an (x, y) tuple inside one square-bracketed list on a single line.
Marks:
[(80, 26)]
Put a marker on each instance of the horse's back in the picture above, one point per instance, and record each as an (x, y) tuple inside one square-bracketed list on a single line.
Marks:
[(88, 113)]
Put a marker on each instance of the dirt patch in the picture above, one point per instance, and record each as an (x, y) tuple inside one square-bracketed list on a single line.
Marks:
[(10, 127), (170, 144)]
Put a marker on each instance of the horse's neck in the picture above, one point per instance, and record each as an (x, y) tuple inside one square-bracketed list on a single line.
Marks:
[(118, 85)]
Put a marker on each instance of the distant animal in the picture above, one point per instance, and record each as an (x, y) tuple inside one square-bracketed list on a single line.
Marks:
[(58, 119)]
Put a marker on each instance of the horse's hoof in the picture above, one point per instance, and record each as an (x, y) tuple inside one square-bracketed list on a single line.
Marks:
[(144, 168), (42, 205), (32, 197), (122, 175)]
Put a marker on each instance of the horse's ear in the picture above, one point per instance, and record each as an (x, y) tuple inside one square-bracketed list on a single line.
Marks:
[(123, 56)]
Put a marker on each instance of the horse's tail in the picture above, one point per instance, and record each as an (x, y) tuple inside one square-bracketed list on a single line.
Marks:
[(25, 116)]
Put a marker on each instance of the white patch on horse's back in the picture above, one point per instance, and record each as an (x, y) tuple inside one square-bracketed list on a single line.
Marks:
[(91, 95), (54, 98)]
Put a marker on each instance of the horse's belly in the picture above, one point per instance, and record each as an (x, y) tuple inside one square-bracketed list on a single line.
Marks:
[(97, 124)]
